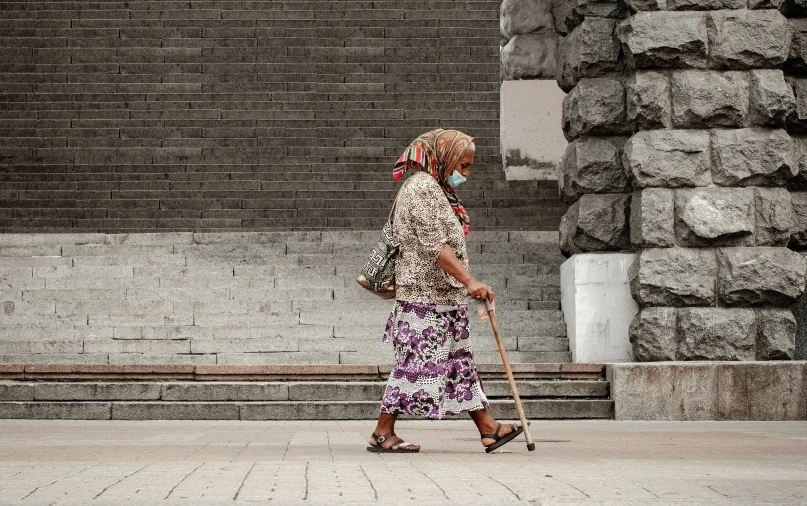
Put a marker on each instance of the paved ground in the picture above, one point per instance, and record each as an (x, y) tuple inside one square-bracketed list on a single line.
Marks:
[(577, 462)]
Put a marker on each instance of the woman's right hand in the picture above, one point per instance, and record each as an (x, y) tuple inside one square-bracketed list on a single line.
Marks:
[(479, 291)]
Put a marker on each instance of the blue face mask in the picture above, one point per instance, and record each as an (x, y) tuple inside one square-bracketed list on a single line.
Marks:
[(456, 179)]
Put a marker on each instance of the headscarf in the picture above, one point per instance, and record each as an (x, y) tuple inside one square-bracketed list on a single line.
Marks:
[(435, 152)]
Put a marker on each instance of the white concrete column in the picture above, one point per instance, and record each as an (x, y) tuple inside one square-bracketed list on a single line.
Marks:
[(598, 306)]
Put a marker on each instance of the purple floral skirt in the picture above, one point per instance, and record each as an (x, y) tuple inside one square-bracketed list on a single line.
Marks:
[(435, 375)]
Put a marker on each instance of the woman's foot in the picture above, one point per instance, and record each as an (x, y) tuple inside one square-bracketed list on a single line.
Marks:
[(392, 443), (490, 428)]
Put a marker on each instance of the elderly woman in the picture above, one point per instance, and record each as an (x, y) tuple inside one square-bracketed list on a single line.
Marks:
[(435, 376)]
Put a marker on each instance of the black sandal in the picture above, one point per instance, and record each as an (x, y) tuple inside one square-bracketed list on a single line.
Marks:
[(502, 440), (399, 447)]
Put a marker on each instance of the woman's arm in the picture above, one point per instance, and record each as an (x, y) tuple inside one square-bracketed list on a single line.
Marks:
[(449, 262)]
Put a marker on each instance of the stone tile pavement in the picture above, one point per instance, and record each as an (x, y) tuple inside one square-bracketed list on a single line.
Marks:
[(577, 462)]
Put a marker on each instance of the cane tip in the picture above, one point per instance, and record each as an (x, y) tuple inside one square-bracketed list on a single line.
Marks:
[(531, 447)]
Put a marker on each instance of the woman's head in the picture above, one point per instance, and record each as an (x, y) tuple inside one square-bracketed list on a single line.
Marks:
[(439, 152)]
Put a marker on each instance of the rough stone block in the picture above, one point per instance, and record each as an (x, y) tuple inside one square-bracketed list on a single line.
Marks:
[(711, 333), (758, 276), (592, 165), (797, 121), (648, 100), (703, 5), (532, 56), (596, 106), (670, 391), (776, 334), (714, 216), (704, 98), (766, 4), (747, 39), (797, 57), (674, 277), (762, 391), (596, 223), (774, 216), (772, 99), (646, 5), (668, 158), (799, 181), (798, 232), (652, 221), (652, 334), (591, 50), (665, 39), (752, 156), (524, 16), (601, 9), (565, 16)]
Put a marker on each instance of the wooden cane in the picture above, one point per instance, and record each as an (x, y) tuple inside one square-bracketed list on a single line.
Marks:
[(492, 316)]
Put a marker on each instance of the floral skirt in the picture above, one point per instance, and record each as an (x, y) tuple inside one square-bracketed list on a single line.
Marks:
[(435, 374)]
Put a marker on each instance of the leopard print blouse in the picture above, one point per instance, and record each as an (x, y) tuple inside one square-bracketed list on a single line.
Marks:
[(423, 222)]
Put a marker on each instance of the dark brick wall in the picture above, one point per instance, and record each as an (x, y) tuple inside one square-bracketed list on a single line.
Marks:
[(205, 115)]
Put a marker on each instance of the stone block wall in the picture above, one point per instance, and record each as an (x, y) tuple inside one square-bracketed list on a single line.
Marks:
[(686, 122)]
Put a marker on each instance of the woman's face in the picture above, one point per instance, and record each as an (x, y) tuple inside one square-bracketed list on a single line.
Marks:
[(464, 163)]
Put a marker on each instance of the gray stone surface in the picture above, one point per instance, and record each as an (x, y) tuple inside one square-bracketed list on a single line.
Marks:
[(652, 222), (799, 309), (530, 56), (674, 277), (582, 462), (565, 16), (776, 334), (759, 276), (56, 410), (669, 391), (174, 411), (797, 58), (697, 5), (304, 410), (592, 165), (668, 158), (517, 17), (591, 50), (648, 100), (652, 334), (774, 216), (798, 234), (89, 391), (224, 391), (714, 216), (799, 181), (601, 8), (665, 39), (596, 106), (745, 39), (706, 98), (14, 391), (358, 391), (772, 99), (769, 391), (596, 223), (797, 121), (752, 156), (716, 333)]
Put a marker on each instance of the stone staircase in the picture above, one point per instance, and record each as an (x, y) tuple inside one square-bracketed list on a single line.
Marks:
[(322, 393), (246, 298)]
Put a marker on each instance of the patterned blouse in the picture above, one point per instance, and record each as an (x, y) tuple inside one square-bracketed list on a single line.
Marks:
[(423, 222)]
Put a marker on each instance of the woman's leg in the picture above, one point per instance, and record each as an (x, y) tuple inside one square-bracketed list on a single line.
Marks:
[(487, 425), (386, 425)]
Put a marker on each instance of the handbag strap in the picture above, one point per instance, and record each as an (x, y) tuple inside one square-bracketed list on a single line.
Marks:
[(392, 211)]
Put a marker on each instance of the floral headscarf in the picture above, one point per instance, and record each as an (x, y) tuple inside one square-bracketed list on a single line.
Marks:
[(436, 152)]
